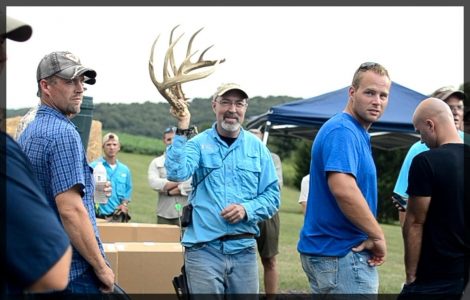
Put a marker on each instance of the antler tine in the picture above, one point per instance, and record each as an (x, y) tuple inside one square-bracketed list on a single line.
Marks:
[(188, 66), (169, 58), (173, 77), (190, 44), (201, 63), (172, 57), (184, 77), (204, 52), (177, 89), (157, 84), (162, 86), (171, 33)]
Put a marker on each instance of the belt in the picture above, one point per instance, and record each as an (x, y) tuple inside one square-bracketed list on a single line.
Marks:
[(236, 236), (100, 216)]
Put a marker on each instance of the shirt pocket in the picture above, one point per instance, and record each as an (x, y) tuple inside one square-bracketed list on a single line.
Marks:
[(212, 169), (121, 187), (248, 171)]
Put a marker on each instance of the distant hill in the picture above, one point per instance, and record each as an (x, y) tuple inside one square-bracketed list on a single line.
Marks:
[(16, 112), (150, 119)]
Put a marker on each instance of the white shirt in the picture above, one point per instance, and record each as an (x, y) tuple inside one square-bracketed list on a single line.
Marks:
[(304, 188)]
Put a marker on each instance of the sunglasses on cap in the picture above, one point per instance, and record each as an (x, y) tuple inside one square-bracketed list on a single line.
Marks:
[(169, 129)]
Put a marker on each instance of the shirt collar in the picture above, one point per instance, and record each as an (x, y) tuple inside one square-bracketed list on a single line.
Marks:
[(47, 110), (215, 135)]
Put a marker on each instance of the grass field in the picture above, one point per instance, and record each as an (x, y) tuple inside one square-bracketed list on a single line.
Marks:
[(292, 277)]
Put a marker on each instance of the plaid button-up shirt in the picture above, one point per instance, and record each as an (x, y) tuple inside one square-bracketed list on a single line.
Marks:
[(56, 152)]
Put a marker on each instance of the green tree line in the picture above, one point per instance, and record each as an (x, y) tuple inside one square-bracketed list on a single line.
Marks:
[(140, 126), (150, 119)]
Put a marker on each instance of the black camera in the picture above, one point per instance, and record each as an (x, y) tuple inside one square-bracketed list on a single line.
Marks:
[(187, 215), (399, 201)]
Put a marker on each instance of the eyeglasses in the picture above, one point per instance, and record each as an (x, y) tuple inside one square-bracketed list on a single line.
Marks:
[(458, 107), (238, 104)]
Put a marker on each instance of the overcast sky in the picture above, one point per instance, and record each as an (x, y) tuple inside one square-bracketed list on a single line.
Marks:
[(294, 51)]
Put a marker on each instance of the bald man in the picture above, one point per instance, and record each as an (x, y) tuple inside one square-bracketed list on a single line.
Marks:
[(436, 236), (455, 100)]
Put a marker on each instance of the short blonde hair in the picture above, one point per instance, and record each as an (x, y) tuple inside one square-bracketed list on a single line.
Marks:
[(110, 136), (368, 66)]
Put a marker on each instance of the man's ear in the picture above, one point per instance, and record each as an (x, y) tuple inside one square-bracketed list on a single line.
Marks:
[(44, 86), (430, 124), (351, 92), (213, 105)]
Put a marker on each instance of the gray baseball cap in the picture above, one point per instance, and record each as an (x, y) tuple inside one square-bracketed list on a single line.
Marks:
[(65, 65)]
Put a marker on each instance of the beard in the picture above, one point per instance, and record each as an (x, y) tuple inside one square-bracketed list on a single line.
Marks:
[(230, 127), (71, 111)]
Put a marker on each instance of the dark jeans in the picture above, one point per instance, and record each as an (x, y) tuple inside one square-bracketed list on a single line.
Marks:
[(436, 289)]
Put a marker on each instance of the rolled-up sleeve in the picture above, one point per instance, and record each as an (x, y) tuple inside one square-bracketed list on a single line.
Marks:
[(155, 181)]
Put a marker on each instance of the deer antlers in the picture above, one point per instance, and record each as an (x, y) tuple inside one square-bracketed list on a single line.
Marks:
[(173, 77)]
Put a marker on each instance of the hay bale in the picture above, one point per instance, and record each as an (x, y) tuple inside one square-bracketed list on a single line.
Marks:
[(94, 143), (11, 125)]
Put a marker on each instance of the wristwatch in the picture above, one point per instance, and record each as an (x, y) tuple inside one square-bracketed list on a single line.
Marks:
[(124, 203), (189, 133)]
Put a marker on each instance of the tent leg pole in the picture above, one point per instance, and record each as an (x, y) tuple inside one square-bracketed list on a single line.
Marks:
[(266, 132)]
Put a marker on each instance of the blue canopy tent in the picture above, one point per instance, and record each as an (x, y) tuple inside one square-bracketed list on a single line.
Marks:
[(303, 118)]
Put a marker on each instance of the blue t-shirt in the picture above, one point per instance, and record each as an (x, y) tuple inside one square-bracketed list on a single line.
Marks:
[(121, 183), (341, 145), (35, 239)]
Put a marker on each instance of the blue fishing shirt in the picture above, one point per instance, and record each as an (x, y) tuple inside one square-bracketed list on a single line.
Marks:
[(246, 176)]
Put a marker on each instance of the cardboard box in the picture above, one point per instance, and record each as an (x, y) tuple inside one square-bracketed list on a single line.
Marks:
[(138, 232), (149, 268), (112, 255)]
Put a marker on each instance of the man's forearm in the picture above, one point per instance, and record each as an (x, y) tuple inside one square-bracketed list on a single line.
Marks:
[(412, 236), (170, 185), (358, 212), (415, 218), (353, 205), (82, 237)]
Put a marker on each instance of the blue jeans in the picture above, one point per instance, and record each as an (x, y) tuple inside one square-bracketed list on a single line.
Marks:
[(209, 271), (350, 274)]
